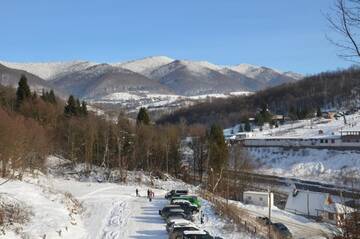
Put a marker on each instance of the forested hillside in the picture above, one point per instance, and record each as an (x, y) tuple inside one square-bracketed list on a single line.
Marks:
[(329, 89), (34, 126)]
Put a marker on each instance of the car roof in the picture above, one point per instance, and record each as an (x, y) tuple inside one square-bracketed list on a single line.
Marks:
[(190, 225), (177, 210), (172, 205), (199, 232), (181, 201), (184, 224), (179, 220)]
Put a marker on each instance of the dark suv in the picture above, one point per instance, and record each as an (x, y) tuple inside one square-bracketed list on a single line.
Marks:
[(185, 205), (176, 193), (177, 214), (167, 209)]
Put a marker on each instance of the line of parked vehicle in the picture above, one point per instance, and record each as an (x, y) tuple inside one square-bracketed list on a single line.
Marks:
[(180, 215)]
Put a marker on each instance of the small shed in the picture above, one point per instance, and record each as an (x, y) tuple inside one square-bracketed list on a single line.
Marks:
[(335, 213), (258, 198)]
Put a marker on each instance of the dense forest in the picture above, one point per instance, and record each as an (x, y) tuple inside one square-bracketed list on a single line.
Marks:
[(34, 126), (302, 99)]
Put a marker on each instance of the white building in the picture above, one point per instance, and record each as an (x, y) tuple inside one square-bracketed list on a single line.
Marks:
[(258, 198), (316, 204)]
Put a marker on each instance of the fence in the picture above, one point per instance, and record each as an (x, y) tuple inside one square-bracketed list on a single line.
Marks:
[(244, 221)]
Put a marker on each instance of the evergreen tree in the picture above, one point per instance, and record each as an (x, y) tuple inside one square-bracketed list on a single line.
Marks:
[(259, 119), (23, 91), (247, 126), (318, 112), (71, 107), (78, 107), (143, 117), (83, 109), (52, 98), (34, 95), (217, 149)]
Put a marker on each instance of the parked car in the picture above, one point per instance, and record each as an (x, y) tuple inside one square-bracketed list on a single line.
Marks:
[(186, 205), (167, 208), (192, 199), (178, 222), (178, 214), (176, 193), (196, 235), (281, 231), (265, 221), (176, 231)]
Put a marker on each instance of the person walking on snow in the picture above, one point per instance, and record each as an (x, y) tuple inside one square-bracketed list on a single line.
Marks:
[(137, 192)]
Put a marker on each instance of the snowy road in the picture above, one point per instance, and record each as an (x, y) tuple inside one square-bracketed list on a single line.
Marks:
[(144, 221), (114, 212)]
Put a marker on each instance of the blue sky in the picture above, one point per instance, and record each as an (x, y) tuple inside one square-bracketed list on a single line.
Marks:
[(287, 35)]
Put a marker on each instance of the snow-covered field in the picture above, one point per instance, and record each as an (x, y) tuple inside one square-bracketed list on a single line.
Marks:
[(303, 128), (327, 165), (332, 166), (65, 204)]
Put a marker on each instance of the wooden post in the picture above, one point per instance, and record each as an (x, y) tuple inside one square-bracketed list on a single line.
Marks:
[(269, 202)]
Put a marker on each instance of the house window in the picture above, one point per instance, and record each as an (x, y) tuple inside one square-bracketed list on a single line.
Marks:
[(326, 141), (333, 141), (321, 141), (260, 199), (249, 197)]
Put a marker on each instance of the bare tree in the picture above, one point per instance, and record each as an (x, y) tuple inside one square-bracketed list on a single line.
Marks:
[(345, 21)]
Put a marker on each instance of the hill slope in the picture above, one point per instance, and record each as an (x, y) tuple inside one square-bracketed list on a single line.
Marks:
[(330, 89), (103, 79)]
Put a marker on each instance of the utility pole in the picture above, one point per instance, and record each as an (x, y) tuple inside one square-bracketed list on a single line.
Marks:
[(307, 203), (269, 202)]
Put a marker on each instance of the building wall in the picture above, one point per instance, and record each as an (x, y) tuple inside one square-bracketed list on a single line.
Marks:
[(258, 199), (330, 142)]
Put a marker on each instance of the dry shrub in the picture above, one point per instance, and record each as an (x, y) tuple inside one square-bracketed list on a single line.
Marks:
[(13, 211)]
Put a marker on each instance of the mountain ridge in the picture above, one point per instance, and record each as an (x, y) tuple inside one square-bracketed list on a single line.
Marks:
[(155, 74)]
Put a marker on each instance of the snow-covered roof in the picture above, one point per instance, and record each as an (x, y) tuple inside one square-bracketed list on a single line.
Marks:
[(338, 208), (190, 225), (181, 201), (200, 232), (180, 221), (306, 202)]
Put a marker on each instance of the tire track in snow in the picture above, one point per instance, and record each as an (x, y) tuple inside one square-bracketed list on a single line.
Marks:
[(116, 221)]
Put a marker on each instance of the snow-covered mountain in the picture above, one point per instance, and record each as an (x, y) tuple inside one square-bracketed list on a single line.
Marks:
[(50, 70), (195, 78), (145, 66), (271, 77), (10, 77), (155, 75), (100, 80)]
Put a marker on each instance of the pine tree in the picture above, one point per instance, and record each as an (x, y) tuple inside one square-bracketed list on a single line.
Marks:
[(34, 95), (23, 91), (318, 112), (218, 149), (247, 126), (52, 98), (83, 109), (143, 117), (71, 107)]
